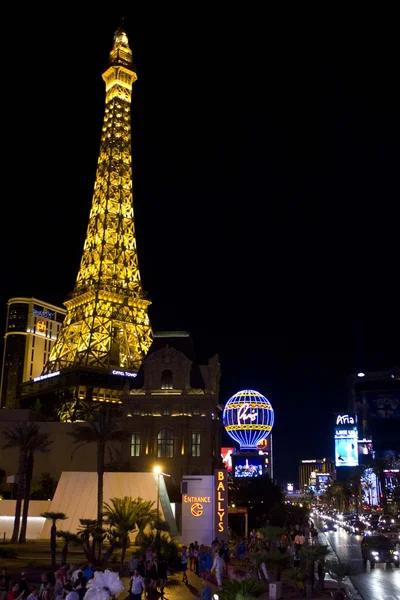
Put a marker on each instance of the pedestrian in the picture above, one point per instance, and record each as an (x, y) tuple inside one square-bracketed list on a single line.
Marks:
[(218, 567), (137, 585), (206, 593), (23, 586), (5, 581), (133, 563), (162, 575), (34, 595), (184, 563)]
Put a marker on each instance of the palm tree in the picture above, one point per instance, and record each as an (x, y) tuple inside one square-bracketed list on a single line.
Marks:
[(54, 517), (341, 494), (101, 432), (87, 530), (37, 443), (20, 436), (247, 589), (340, 570), (146, 515), (378, 466), (121, 516), (69, 538)]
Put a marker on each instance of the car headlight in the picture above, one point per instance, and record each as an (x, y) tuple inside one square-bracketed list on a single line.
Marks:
[(396, 553), (375, 553)]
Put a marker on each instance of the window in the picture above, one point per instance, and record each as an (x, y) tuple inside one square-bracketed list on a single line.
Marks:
[(135, 444), (136, 410), (196, 411), (166, 411), (165, 443), (195, 444), (166, 380)]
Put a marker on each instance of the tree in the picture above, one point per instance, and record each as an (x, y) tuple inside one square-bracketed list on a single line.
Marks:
[(339, 571), (248, 589), (309, 555), (87, 532), (39, 442), (20, 436), (54, 517), (121, 515), (46, 489), (146, 515), (101, 432), (69, 538), (341, 494), (378, 465)]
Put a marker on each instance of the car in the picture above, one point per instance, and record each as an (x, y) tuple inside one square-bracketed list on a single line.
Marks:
[(329, 526), (379, 549), (393, 533)]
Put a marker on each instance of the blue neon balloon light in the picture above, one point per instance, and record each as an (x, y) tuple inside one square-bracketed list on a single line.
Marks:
[(248, 418)]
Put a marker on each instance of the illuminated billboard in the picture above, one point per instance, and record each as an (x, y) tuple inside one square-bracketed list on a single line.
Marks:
[(248, 418), (249, 466), (226, 455), (346, 446)]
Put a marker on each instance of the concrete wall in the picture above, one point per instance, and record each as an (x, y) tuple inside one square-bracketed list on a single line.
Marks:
[(60, 458), (198, 508), (35, 521), (76, 495)]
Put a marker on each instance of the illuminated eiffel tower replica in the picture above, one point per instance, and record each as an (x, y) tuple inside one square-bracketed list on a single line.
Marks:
[(106, 333)]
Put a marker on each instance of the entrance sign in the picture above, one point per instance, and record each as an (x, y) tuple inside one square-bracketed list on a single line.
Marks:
[(205, 507)]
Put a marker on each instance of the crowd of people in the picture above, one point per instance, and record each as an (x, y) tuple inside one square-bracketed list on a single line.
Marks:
[(149, 573)]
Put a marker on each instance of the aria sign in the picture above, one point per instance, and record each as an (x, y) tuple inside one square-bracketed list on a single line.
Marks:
[(345, 420)]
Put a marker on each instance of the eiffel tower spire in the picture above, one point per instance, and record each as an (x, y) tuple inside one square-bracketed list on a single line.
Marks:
[(107, 323)]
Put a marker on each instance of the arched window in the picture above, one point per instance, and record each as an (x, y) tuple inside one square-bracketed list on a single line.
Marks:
[(166, 380), (165, 443)]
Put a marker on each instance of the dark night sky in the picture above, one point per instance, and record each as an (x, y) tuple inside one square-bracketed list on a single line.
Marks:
[(266, 181)]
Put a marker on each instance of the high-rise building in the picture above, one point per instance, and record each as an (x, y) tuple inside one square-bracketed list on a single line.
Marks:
[(32, 327), (106, 333), (313, 466), (375, 398)]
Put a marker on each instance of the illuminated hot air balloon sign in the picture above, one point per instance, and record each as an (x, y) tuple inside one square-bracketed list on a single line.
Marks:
[(248, 418)]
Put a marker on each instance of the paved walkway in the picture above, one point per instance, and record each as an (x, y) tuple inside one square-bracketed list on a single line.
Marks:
[(177, 590)]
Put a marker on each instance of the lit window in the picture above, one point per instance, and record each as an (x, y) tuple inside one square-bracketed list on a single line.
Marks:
[(166, 380), (195, 444), (135, 444), (165, 443)]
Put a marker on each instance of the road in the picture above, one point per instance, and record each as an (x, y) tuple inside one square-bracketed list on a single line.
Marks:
[(380, 583)]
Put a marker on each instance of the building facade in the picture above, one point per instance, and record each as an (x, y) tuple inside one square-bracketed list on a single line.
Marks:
[(375, 398), (309, 468), (172, 410), (32, 327)]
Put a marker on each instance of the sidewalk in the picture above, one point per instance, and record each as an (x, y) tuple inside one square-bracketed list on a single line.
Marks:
[(176, 589)]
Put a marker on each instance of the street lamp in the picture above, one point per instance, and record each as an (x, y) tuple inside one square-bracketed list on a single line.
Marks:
[(157, 471)]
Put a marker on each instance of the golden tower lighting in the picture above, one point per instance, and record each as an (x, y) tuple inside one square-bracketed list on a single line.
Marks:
[(107, 323)]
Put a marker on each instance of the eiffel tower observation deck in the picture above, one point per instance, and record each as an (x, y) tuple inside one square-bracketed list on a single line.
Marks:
[(106, 333)]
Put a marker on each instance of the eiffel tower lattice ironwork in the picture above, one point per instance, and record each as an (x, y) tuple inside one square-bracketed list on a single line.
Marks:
[(107, 323)]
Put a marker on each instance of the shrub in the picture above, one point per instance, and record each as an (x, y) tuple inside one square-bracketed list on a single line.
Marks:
[(8, 553), (168, 548)]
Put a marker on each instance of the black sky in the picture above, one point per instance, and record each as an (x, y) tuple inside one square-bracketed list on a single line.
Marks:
[(266, 178)]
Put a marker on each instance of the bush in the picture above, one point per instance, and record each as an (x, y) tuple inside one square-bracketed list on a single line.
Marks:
[(32, 564), (168, 548), (8, 553)]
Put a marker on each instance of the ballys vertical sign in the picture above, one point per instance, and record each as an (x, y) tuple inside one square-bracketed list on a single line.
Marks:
[(221, 503)]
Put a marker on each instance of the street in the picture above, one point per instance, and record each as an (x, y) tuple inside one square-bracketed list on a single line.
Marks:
[(380, 583)]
